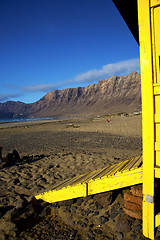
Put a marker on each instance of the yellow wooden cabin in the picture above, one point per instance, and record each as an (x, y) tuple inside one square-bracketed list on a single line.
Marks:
[(143, 20)]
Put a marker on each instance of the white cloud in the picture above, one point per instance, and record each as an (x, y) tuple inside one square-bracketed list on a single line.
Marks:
[(39, 88), (94, 75), (109, 70), (5, 97)]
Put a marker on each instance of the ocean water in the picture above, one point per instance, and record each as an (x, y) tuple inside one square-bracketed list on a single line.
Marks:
[(5, 120)]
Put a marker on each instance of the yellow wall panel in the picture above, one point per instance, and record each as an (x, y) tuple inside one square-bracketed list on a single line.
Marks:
[(154, 50), (158, 158), (157, 40), (146, 29), (157, 132), (155, 3), (157, 104), (156, 89)]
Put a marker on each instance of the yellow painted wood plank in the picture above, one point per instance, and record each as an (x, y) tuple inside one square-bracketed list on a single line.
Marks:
[(127, 165), (157, 146), (106, 172), (111, 170), (148, 220), (117, 181), (131, 164), (157, 172), (72, 181), (121, 167), (157, 118), (157, 133), (101, 173), (157, 110), (60, 184), (147, 95), (65, 183), (153, 48), (88, 176), (52, 196), (156, 89), (116, 168), (154, 3), (81, 178), (138, 163), (157, 220), (156, 40), (148, 111), (157, 158), (71, 188)]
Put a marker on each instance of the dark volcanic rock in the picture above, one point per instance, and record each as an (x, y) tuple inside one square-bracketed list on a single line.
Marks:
[(103, 219), (123, 224), (114, 210)]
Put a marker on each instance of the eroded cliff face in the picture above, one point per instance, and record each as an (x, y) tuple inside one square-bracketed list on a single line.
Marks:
[(112, 95)]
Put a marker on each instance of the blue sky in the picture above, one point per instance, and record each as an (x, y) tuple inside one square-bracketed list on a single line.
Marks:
[(55, 44)]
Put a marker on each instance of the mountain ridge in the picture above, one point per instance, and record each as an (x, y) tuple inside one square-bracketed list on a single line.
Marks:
[(111, 95)]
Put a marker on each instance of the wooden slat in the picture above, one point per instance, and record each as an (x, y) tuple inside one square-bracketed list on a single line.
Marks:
[(138, 163), (156, 89), (130, 164), (117, 168), (155, 3), (118, 181), (157, 118), (157, 146), (112, 177), (157, 172), (157, 220)]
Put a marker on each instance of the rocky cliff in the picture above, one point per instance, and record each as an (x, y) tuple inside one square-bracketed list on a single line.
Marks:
[(112, 95)]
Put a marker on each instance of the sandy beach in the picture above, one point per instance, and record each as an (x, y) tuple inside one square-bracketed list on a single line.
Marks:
[(50, 152)]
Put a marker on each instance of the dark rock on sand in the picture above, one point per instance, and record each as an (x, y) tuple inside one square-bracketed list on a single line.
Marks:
[(97, 231), (137, 228), (86, 220), (3, 193), (2, 235), (79, 201), (119, 236), (114, 210), (90, 237), (91, 226), (103, 219), (95, 213), (88, 211), (98, 206), (107, 214), (133, 236), (4, 210), (21, 203), (123, 224), (104, 199), (138, 222)]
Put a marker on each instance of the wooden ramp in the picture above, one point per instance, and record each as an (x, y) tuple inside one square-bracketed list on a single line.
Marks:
[(117, 176)]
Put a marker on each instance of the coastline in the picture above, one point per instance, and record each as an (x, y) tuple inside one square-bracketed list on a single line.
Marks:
[(23, 123)]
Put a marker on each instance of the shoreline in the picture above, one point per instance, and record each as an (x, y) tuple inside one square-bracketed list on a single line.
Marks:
[(25, 123)]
